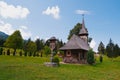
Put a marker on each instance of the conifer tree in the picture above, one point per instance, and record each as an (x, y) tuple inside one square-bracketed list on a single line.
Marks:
[(101, 48)]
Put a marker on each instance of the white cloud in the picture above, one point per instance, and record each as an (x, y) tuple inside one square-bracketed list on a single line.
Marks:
[(93, 44), (11, 11), (25, 32), (53, 11), (82, 12), (6, 27), (24, 27)]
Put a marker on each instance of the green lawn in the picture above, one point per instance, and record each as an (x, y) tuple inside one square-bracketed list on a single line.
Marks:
[(32, 68)]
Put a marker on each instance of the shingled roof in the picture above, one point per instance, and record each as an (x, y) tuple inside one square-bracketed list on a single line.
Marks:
[(75, 42)]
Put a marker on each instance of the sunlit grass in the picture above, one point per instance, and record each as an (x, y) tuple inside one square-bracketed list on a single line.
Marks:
[(32, 68)]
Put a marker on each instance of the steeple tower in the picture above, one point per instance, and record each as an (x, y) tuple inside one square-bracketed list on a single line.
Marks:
[(83, 31)]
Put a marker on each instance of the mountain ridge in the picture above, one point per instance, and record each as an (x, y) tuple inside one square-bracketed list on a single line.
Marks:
[(3, 35)]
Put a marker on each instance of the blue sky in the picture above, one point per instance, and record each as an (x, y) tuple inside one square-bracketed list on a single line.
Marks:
[(47, 18)]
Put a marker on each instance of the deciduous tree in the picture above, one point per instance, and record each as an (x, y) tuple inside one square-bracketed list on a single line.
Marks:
[(14, 41), (75, 30)]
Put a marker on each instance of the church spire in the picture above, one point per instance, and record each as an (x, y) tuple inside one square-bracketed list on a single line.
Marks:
[(83, 24), (83, 30)]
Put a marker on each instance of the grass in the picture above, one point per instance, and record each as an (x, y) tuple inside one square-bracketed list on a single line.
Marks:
[(32, 68)]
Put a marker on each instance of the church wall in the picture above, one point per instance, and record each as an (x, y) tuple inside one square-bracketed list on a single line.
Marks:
[(75, 56)]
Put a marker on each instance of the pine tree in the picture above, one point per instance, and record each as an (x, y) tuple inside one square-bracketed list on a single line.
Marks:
[(101, 48), (38, 44), (110, 49), (116, 51)]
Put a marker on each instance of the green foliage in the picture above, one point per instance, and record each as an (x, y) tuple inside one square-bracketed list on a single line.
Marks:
[(5, 51), (41, 53), (75, 30), (20, 53), (31, 47), (14, 53), (25, 54), (59, 44), (11, 51), (1, 50), (40, 44), (61, 52), (56, 60), (47, 50), (14, 41), (101, 58), (116, 50), (47, 43), (101, 48), (89, 39), (109, 49), (90, 57), (8, 52), (34, 54), (112, 49), (29, 53), (25, 44)]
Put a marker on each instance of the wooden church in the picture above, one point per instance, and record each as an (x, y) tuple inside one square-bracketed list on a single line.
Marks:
[(75, 50)]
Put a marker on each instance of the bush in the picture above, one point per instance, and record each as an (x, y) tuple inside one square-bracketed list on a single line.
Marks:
[(14, 52), (8, 52), (37, 54), (25, 54), (56, 60), (101, 58), (34, 54), (30, 54), (20, 53), (47, 50), (90, 57)]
